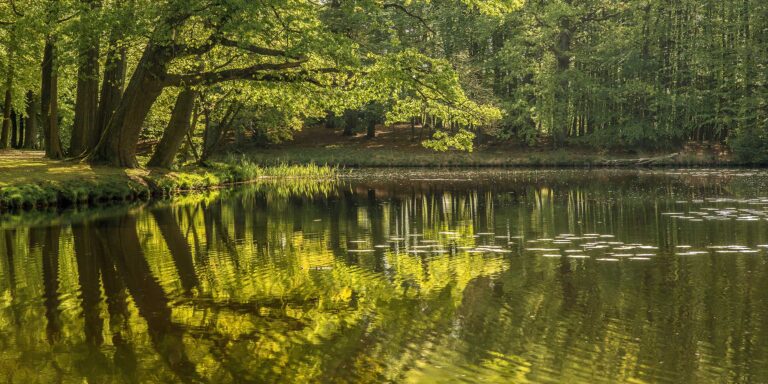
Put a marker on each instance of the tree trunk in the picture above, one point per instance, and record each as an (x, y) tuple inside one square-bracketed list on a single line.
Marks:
[(118, 143), (215, 133), (49, 102), (350, 122), (5, 135), (174, 134), (111, 88), (87, 100), (14, 130), (30, 123), (563, 56), (22, 127), (371, 131)]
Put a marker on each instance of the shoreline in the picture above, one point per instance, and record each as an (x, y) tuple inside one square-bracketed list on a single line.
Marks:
[(365, 157), (32, 182), (28, 181)]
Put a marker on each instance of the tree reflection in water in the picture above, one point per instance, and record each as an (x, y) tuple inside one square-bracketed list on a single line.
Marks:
[(369, 281)]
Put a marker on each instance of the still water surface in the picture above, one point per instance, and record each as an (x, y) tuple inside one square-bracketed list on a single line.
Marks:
[(400, 276)]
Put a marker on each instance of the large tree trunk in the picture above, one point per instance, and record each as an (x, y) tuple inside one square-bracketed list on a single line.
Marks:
[(111, 88), (87, 99), (30, 123), (174, 134), (49, 102), (119, 141)]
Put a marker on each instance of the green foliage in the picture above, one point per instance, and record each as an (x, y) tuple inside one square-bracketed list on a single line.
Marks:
[(750, 148), (442, 141)]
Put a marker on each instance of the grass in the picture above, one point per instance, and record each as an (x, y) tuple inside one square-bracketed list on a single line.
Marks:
[(27, 180)]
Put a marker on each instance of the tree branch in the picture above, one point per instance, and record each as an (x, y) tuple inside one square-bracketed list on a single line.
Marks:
[(258, 72), (257, 49), (410, 14)]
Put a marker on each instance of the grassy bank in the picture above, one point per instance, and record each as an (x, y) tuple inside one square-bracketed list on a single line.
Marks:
[(355, 156), (27, 180)]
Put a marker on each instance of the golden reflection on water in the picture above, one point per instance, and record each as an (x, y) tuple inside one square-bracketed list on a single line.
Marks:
[(385, 278)]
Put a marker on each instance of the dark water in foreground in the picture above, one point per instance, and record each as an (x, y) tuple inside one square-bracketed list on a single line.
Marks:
[(400, 276)]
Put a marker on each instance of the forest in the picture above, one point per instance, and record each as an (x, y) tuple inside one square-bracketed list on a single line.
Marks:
[(397, 191), (133, 83)]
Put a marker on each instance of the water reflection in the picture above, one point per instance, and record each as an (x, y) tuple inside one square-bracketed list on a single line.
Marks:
[(446, 276)]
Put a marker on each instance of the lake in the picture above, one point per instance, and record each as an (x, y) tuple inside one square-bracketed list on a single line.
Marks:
[(399, 275)]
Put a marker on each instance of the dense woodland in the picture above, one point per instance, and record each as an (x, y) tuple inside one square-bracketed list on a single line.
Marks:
[(97, 79)]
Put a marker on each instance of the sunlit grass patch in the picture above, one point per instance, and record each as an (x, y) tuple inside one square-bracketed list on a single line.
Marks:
[(31, 181)]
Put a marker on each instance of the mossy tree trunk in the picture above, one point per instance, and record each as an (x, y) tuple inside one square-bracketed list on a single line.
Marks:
[(177, 129), (117, 145)]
